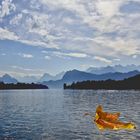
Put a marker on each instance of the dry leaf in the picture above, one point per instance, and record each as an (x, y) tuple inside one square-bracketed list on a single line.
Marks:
[(105, 120)]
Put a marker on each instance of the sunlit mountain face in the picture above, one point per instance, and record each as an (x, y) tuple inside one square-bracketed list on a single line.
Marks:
[(51, 36)]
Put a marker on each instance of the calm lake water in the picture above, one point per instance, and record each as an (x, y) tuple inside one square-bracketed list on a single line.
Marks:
[(58, 114)]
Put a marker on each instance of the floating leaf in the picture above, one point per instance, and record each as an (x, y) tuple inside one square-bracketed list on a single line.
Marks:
[(106, 120), (105, 115)]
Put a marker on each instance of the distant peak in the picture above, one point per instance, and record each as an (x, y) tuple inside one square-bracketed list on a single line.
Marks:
[(6, 75), (6, 78), (47, 74), (74, 70), (134, 71)]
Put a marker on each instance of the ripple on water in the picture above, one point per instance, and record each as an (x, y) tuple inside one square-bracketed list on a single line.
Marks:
[(58, 114)]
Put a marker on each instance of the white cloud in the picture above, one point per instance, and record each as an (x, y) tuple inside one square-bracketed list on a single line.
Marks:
[(22, 71), (38, 24), (25, 55), (6, 7), (109, 8), (94, 27), (73, 54), (34, 43), (78, 55), (134, 56), (95, 13), (5, 34), (21, 68), (102, 59), (18, 73), (45, 51), (47, 57), (117, 59), (68, 20), (16, 19), (3, 54), (73, 5), (27, 69), (120, 46)]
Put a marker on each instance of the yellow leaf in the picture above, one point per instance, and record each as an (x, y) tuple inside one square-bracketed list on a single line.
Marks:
[(106, 120)]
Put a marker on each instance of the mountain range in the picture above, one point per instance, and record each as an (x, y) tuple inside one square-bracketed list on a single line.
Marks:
[(126, 84), (75, 75), (44, 77), (115, 68), (27, 79), (8, 79), (48, 77), (117, 72)]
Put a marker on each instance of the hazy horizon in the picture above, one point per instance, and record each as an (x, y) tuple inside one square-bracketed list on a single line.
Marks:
[(38, 76)]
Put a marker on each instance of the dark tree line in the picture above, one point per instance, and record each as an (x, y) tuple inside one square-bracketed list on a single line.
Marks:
[(130, 83), (22, 86)]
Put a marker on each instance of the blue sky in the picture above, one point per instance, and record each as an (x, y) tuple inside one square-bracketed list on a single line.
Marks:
[(38, 36)]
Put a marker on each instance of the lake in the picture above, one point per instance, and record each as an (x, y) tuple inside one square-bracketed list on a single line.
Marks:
[(58, 114)]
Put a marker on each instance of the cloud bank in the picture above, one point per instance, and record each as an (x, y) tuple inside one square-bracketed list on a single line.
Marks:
[(86, 28)]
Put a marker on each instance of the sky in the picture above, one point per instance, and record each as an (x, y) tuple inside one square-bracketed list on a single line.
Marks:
[(51, 36)]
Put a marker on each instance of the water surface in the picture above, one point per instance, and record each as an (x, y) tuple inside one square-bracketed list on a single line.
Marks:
[(58, 114)]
